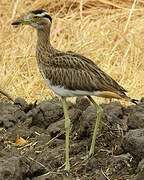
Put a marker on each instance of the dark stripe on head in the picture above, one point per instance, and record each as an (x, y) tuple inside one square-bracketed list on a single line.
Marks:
[(38, 11), (49, 17), (41, 11)]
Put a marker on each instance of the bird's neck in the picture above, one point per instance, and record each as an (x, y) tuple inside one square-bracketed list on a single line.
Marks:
[(43, 40), (44, 49)]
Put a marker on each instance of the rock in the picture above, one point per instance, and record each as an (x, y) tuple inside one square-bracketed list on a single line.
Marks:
[(97, 177), (140, 166), (10, 114), (133, 142), (12, 169), (51, 176), (101, 177), (74, 115), (36, 129), (48, 158), (18, 131), (121, 160), (42, 140), (21, 102), (86, 122), (45, 113), (24, 106), (142, 99), (140, 176), (136, 117), (44, 155), (82, 103), (140, 170), (57, 100), (57, 127), (112, 115)]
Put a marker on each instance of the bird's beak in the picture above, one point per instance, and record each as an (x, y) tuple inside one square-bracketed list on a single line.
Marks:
[(21, 21)]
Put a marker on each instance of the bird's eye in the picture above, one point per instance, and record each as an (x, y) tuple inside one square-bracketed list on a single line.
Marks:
[(35, 18)]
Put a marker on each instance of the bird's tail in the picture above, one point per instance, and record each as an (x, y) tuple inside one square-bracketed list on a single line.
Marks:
[(127, 98), (117, 95)]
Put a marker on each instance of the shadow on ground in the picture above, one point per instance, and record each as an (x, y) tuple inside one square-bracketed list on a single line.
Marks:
[(119, 149)]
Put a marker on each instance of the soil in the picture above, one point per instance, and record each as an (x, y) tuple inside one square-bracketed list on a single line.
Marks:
[(119, 149)]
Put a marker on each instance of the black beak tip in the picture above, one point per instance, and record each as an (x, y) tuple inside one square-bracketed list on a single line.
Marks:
[(15, 23)]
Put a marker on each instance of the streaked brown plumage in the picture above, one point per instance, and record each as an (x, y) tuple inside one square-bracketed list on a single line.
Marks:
[(68, 73), (75, 72)]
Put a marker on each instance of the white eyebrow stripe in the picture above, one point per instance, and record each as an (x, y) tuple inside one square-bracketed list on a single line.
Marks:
[(42, 14)]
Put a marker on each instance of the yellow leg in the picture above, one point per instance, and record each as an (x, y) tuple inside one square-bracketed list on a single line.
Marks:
[(96, 125), (67, 128)]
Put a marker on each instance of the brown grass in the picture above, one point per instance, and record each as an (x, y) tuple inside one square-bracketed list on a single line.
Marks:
[(111, 33)]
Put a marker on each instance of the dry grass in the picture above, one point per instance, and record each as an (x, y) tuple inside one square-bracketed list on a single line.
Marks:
[(109, 32)]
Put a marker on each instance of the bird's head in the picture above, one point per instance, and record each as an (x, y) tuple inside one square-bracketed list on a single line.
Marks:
[(38, 19)]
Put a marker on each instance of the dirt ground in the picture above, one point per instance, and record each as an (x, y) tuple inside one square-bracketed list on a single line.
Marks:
[(119, 149)]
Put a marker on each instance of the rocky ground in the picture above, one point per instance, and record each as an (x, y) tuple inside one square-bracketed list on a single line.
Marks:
[(119, 149)]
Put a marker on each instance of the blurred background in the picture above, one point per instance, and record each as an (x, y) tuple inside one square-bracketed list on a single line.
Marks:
[(111, 33)]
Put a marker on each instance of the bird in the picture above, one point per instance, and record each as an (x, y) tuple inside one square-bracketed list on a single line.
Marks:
[(70, 74)]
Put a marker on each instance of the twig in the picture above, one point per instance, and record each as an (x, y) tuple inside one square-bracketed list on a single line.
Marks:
[(105, 175), (7, 95), (129, 17)]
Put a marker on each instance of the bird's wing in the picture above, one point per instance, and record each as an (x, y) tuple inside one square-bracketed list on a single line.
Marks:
[(76, 72)]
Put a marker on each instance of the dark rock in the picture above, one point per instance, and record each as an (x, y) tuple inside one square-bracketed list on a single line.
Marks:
[(87, 120), (100, 177), (44, 155), (142, 100), (45, 114), (140, 166), (24, 106), (36, 129), (140, 170), (49, 158), (133, 142), (7, 120), (18, 131), (54, 100), (10, 115), (74, 115), (21, 102), (136, 117), (55, 128), (12, 169), (96, 177), (57, 100), (20, 115), (140, 176), (82, 103), (51, 176), (112, 115), (42, 140), (121, 160)]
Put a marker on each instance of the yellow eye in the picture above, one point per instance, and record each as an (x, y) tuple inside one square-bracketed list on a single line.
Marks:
[(35, 18)]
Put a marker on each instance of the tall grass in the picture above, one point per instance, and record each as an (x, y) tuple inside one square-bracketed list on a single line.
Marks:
[(111, 33)]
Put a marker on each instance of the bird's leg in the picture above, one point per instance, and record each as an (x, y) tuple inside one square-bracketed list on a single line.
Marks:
[(67, 128), (96, 125)]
